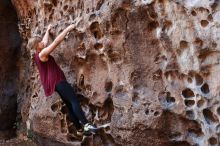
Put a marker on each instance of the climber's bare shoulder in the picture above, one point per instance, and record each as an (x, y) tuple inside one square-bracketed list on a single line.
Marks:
[(43, 57), (49, 49)]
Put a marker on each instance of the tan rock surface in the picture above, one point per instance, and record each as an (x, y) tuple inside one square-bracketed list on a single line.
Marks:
[(153, 64)]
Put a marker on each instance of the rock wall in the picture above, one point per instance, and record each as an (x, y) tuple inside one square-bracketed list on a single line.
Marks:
[(149, 67), (9, 51)]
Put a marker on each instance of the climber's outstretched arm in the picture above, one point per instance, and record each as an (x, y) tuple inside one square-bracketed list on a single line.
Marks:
[(43, 55), (46, 36)]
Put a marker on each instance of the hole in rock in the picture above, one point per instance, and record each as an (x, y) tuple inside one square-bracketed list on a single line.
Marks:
[(193, 13), (147, 111), (214, 6), (99, 4), (118, 137), (34, 95), (151, 13), (204, 23), (197, 131), (95, 94), (167, 24), (205, 88), (218, 110), (204, 53), (154, 41), (183, 44), (189, 80), (153, 25), (190, 114), (51, 15), (166, 99), (9, 52), (202, 9), (55, 107), (109, 107), (195, 128), (209, 116), (72, 11), (54, 2), (135, 97), (108, 86), (65, 7), (98, 46), (161, 1), (108, 128), (92, 17), (87, 10), (175, 135), (61, 13), (200, 103), (213, 141), (214, 45), (81, 80), (189, 103), (199, 79), (198, 42), (64, 109), (88, 87), (210, 18), (187, 93), (95, 29), (156, 113), (170, 99)]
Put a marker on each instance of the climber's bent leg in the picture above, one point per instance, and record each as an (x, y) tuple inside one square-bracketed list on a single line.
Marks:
[(67, 93), (73, 117)]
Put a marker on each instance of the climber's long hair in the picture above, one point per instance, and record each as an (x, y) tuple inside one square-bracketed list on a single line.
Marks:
[(34, 43)]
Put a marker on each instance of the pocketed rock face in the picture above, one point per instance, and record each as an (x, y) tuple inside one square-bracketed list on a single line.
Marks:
[(150, 67)]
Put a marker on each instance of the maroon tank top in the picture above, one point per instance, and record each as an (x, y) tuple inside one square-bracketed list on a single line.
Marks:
[(50, 73)]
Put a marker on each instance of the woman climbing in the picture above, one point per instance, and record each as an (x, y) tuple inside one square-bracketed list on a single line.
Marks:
[(53, 78)]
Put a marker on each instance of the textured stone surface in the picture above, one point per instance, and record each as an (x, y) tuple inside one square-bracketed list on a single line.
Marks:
[(9, 50), (150, 67)]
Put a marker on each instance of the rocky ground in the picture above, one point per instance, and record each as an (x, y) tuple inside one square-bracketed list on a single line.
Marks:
[(17, 142), (150, 68)]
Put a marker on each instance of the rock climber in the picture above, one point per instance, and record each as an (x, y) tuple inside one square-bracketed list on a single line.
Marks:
[(53, 78)]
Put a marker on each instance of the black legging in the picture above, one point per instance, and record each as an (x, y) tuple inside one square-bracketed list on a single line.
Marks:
[(69, 97)]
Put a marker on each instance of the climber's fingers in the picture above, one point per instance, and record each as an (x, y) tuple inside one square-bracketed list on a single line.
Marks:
[(49, 27), (76, 21), (71, 27)]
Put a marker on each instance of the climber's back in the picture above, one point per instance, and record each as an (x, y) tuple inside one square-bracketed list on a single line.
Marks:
[(50, 73)]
